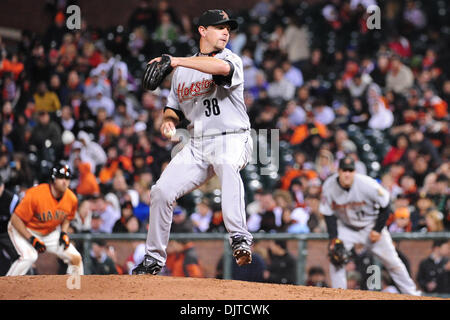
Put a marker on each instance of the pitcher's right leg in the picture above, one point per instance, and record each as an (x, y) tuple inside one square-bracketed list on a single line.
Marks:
[(182, 175)]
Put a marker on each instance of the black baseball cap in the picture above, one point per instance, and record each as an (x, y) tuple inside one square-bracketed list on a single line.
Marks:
[(216, 17), (347, 163), (61, 171)]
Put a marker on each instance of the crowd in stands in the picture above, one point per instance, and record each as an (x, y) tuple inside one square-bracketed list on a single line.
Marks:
[(313, 70)]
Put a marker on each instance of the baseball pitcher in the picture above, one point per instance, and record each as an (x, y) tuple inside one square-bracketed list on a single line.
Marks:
[(207, 89), (40, 223), (356, 208)]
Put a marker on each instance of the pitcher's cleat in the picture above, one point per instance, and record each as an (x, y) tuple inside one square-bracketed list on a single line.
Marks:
[(241, 250), (148, 266)]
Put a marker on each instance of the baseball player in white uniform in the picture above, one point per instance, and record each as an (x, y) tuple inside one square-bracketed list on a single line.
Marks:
[(207, 89), (356, 209)]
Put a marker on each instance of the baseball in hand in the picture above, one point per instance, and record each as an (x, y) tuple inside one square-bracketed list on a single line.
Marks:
[(169, 133)]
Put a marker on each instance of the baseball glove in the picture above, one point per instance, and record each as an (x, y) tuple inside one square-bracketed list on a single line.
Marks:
[(337, 253), (155, 73)]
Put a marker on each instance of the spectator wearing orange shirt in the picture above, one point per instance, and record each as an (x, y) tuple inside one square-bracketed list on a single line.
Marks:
[(14, 66), (297, 170), (87, 184), (182, 260)]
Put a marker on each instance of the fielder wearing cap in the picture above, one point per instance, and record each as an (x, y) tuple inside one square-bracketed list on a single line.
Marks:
[(40, 223), (356, 208)]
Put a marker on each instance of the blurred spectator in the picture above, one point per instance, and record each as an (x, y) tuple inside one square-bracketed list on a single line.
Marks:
[(387, 285), (101, 263), (107, 212), (315, 67), (127, 223), (296, 221), (182, 260), (282, 266), (87, 183), (400, 221), (96, 222), (389, 184), (201, 218), (381, 117), (166, 30), (434, 271), (46, 138), (361, 258), (316, 221), (45, 100), (434, 221), (358, 85), (180, 222), (353, 280), (292, 74), (280, 86), (322, 113), (316, 277), (91, 152), (217, 224), (440, 192), (309, 135), (82, 220), (396, 151), (295, 41), (8, 254), (114, 163), (400, 77), (269, 218), (143, 15)]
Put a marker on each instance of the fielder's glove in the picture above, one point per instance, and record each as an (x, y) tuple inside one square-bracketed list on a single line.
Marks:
[(64, 240), (337, 253), (155, 73), (37, 244)]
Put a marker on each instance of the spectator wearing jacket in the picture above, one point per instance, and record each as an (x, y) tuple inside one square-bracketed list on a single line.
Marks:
[(434, 271)]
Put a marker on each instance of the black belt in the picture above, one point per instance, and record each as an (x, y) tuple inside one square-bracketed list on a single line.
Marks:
[(222, 133), (354, 228)]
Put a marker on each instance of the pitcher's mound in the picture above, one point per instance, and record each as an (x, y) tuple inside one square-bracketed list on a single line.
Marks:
[(125, 287)]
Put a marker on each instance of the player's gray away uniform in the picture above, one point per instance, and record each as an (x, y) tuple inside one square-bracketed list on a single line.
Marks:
[(357, 210), (211, 109)]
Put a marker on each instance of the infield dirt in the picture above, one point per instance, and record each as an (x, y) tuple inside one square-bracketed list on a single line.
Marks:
[(125, 287)]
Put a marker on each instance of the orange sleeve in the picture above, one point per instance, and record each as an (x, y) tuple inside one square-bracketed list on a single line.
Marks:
[(288, 177), (25, 208), (440, 109), (323, 132), (74, 208), (194, 271), (300, 134)]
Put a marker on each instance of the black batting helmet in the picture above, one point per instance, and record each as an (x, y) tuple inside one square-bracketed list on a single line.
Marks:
[(61, 171)]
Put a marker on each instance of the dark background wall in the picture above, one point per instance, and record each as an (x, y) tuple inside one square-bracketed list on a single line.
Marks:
[(30, 14)]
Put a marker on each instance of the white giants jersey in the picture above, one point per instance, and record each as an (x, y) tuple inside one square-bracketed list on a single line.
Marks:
[(211, 108), (356, 207)]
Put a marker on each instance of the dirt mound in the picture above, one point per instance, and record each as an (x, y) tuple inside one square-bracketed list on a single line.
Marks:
[(124, 287)]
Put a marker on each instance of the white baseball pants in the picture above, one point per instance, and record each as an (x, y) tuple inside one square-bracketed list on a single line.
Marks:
[(198, 161), (28, 255), (383, 249)]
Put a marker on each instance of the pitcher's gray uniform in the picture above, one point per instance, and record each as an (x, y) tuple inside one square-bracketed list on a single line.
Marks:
[(357, 211), (212, 110)]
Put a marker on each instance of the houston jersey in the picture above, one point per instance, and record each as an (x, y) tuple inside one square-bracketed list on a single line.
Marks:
[(357, 207), (210, 107), (41, 212)]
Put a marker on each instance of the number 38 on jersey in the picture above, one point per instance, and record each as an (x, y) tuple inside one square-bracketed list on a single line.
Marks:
[(211, 107)]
